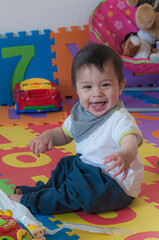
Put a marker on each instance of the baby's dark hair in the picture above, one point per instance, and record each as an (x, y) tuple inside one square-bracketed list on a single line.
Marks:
[(96, 54)]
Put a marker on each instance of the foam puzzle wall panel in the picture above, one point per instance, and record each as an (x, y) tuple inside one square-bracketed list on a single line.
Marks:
[(67, 44), (24, 56), (46, 55)]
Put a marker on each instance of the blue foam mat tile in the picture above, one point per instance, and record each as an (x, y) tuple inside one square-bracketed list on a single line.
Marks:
[(61, 235)]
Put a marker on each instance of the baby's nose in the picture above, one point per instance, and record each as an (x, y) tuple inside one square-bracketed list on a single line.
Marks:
[(98, 91)]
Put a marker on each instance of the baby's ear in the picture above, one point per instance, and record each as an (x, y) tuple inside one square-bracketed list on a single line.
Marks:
[(122, 85)]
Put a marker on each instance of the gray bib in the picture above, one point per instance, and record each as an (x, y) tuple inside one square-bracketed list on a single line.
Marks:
[(85, 123)]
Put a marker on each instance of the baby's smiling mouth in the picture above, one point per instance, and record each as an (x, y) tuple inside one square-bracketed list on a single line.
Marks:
[(98, 105)]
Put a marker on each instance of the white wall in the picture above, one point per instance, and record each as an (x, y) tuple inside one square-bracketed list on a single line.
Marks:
[(26, 15)]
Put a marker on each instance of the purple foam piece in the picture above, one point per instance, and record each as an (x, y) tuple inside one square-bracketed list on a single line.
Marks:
[(13, 115), (141, 80), (153, 126), (134, 102), (73, 49), (36, 115)]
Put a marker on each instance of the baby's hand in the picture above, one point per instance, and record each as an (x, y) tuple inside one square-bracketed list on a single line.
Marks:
[(15, 197), (42, 143), (119, 161)]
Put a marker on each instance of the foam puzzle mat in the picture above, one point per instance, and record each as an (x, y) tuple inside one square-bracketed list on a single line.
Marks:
[(19, 166), (9, 117)]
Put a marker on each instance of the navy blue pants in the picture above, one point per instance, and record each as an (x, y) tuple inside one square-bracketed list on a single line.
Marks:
[(74, 186)]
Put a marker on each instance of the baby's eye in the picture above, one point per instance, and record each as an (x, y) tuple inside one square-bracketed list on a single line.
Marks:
[(87, 86), (105, 84)]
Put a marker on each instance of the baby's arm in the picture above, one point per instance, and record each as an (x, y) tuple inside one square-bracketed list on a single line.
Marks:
[(48, 139), (44, 142), (122, 159)]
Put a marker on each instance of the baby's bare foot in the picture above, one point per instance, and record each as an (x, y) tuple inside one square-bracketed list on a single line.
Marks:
[(15, 197), (18, 191)]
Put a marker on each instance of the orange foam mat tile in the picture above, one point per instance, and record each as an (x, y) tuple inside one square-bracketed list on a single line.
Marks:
[(9, 117), (76, 37)]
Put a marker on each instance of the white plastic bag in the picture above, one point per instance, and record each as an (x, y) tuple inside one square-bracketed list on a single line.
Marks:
[(23, 214)]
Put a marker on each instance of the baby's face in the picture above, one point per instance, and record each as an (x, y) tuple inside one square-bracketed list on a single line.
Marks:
[(98, 91)]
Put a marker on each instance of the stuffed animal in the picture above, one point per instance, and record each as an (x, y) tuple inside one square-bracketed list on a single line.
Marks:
[(155, 56), (138, 45), (130, 45), (147, 19), (36, 231), (136, 3)]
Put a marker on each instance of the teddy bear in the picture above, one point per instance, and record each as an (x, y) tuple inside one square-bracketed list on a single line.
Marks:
[(136, 3), (147, 21)]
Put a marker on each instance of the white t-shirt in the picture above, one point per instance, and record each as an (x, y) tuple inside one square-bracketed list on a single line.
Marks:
[(105, 141)]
